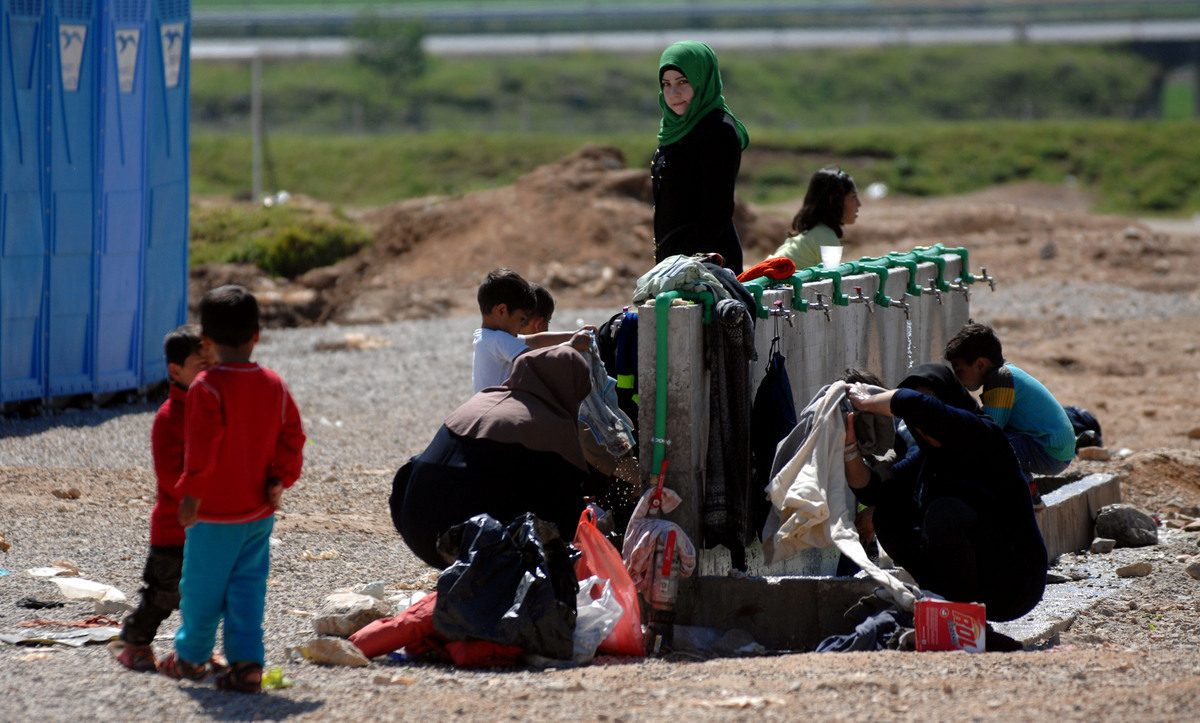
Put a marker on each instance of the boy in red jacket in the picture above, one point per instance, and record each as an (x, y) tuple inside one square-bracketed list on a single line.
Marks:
[(186, 358), (243, 446)]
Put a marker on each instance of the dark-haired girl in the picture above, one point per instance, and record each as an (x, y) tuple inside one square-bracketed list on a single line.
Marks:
[(698, 157), (830, 203)]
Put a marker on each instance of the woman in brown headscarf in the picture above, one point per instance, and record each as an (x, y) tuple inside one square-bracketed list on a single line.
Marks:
[(508, 450)]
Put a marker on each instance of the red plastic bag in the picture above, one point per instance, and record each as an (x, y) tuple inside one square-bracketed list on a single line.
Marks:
[(603, 560), (410, 629), (473, 654)]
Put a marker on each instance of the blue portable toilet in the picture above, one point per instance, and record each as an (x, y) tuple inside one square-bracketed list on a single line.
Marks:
[(93, 193), (164, 299), (124, 54), (72, 101), (23, 213)]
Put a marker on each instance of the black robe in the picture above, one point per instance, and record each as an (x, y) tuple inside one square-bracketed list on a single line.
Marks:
[(693, 181)]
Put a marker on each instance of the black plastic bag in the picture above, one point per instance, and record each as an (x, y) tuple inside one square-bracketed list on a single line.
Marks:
[(510, 586), (1086, 427)]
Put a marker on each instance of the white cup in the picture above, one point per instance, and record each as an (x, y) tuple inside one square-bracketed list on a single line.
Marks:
[(831, 256)]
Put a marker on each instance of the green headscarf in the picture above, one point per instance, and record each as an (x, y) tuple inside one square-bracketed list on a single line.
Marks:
[(698, 63)]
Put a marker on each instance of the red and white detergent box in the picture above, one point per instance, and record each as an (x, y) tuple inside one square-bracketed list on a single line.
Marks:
[(943, 625)]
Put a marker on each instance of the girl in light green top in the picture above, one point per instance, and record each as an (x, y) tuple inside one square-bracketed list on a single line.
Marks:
[(830, 203)]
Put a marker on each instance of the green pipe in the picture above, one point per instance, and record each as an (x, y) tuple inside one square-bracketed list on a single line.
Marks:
[(961, 252), (909, 262), (759, 285), (933, 255), (880, 269), (662, 306), (835, 274), (756, 290)]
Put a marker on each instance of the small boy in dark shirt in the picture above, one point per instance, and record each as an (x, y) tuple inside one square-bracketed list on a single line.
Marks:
[(186, 358)]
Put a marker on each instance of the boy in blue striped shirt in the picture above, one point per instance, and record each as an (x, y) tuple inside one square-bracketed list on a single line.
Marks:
[(1037, 427)]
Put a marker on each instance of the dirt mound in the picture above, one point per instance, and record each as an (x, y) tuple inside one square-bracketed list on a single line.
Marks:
[(582, 227)]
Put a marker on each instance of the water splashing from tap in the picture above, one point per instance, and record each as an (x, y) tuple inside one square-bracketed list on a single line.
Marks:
[(909, 341)]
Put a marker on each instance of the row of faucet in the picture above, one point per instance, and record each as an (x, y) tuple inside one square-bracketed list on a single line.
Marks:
[(820, 304)]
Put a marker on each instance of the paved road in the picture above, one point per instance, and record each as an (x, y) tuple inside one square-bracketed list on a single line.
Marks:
[(783, 38)]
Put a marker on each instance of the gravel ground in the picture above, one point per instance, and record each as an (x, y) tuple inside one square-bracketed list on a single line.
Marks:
[(1131, 657)]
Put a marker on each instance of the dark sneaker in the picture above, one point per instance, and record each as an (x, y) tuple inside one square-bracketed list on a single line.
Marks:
[(1038, 504)]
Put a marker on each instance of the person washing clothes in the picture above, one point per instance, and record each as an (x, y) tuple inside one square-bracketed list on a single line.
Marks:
[(509, 450), (830, 204), (694, 169), (612, 472), (507, 302), (957, 514)]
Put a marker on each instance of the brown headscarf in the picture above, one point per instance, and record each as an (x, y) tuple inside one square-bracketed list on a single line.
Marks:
[(537, 407)]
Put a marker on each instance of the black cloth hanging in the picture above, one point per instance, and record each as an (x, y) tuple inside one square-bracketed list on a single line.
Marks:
[(772, 418)]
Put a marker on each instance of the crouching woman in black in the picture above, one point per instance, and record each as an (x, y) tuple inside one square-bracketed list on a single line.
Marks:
[(509, 450), (957, 514)]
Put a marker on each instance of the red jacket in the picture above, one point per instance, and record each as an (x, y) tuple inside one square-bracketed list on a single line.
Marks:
[(166, 443), (243, 427)]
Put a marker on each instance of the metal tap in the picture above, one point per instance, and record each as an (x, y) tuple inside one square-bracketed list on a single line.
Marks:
[(983, 276), (779, 312), (820, 304), (958, 285), (902, 303), (933, 289), (860, 298)]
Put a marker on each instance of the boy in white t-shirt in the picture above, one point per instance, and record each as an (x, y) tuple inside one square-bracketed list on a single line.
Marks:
[(506, 302)]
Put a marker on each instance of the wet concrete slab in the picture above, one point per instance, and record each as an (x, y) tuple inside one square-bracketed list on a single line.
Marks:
[(1068, 522)]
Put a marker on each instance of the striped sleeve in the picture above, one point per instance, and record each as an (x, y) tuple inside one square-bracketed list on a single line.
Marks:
[(999, 395)]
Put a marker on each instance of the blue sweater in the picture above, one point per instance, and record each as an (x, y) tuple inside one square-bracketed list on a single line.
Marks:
[(1019, 402)]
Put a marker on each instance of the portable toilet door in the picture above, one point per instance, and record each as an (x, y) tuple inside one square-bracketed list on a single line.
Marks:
[(124, 53), (23, 213), (168, 78), (73, 139)]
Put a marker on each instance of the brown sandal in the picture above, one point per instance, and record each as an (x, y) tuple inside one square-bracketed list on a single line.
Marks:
[(176, 667), (243, 677)]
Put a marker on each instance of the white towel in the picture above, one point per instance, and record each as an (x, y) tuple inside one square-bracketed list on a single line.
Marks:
[(811, 502)]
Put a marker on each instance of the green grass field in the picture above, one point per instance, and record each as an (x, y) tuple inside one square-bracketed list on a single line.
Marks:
[(1145, 167)]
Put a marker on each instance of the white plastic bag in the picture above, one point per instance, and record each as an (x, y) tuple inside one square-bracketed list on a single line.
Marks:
[(78, 588), (595, 618)]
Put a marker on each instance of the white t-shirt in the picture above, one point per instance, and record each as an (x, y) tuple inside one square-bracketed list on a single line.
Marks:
[(494, 354)]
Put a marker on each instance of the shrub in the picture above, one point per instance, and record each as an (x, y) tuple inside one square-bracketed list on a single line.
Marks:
[(283, 241)]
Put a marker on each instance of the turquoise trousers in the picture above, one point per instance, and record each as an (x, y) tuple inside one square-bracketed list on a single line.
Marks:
[(224, 581)]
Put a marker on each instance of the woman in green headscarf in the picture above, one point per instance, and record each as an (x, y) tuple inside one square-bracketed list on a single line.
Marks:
[(698, 157)]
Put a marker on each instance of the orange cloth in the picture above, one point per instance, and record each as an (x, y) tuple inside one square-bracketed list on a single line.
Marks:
[(780, 267)]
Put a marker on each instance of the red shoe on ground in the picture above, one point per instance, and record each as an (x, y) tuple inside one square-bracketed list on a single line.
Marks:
[(135, 657)]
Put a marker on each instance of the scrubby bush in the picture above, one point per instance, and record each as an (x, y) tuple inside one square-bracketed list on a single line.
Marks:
[(283, 241)]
